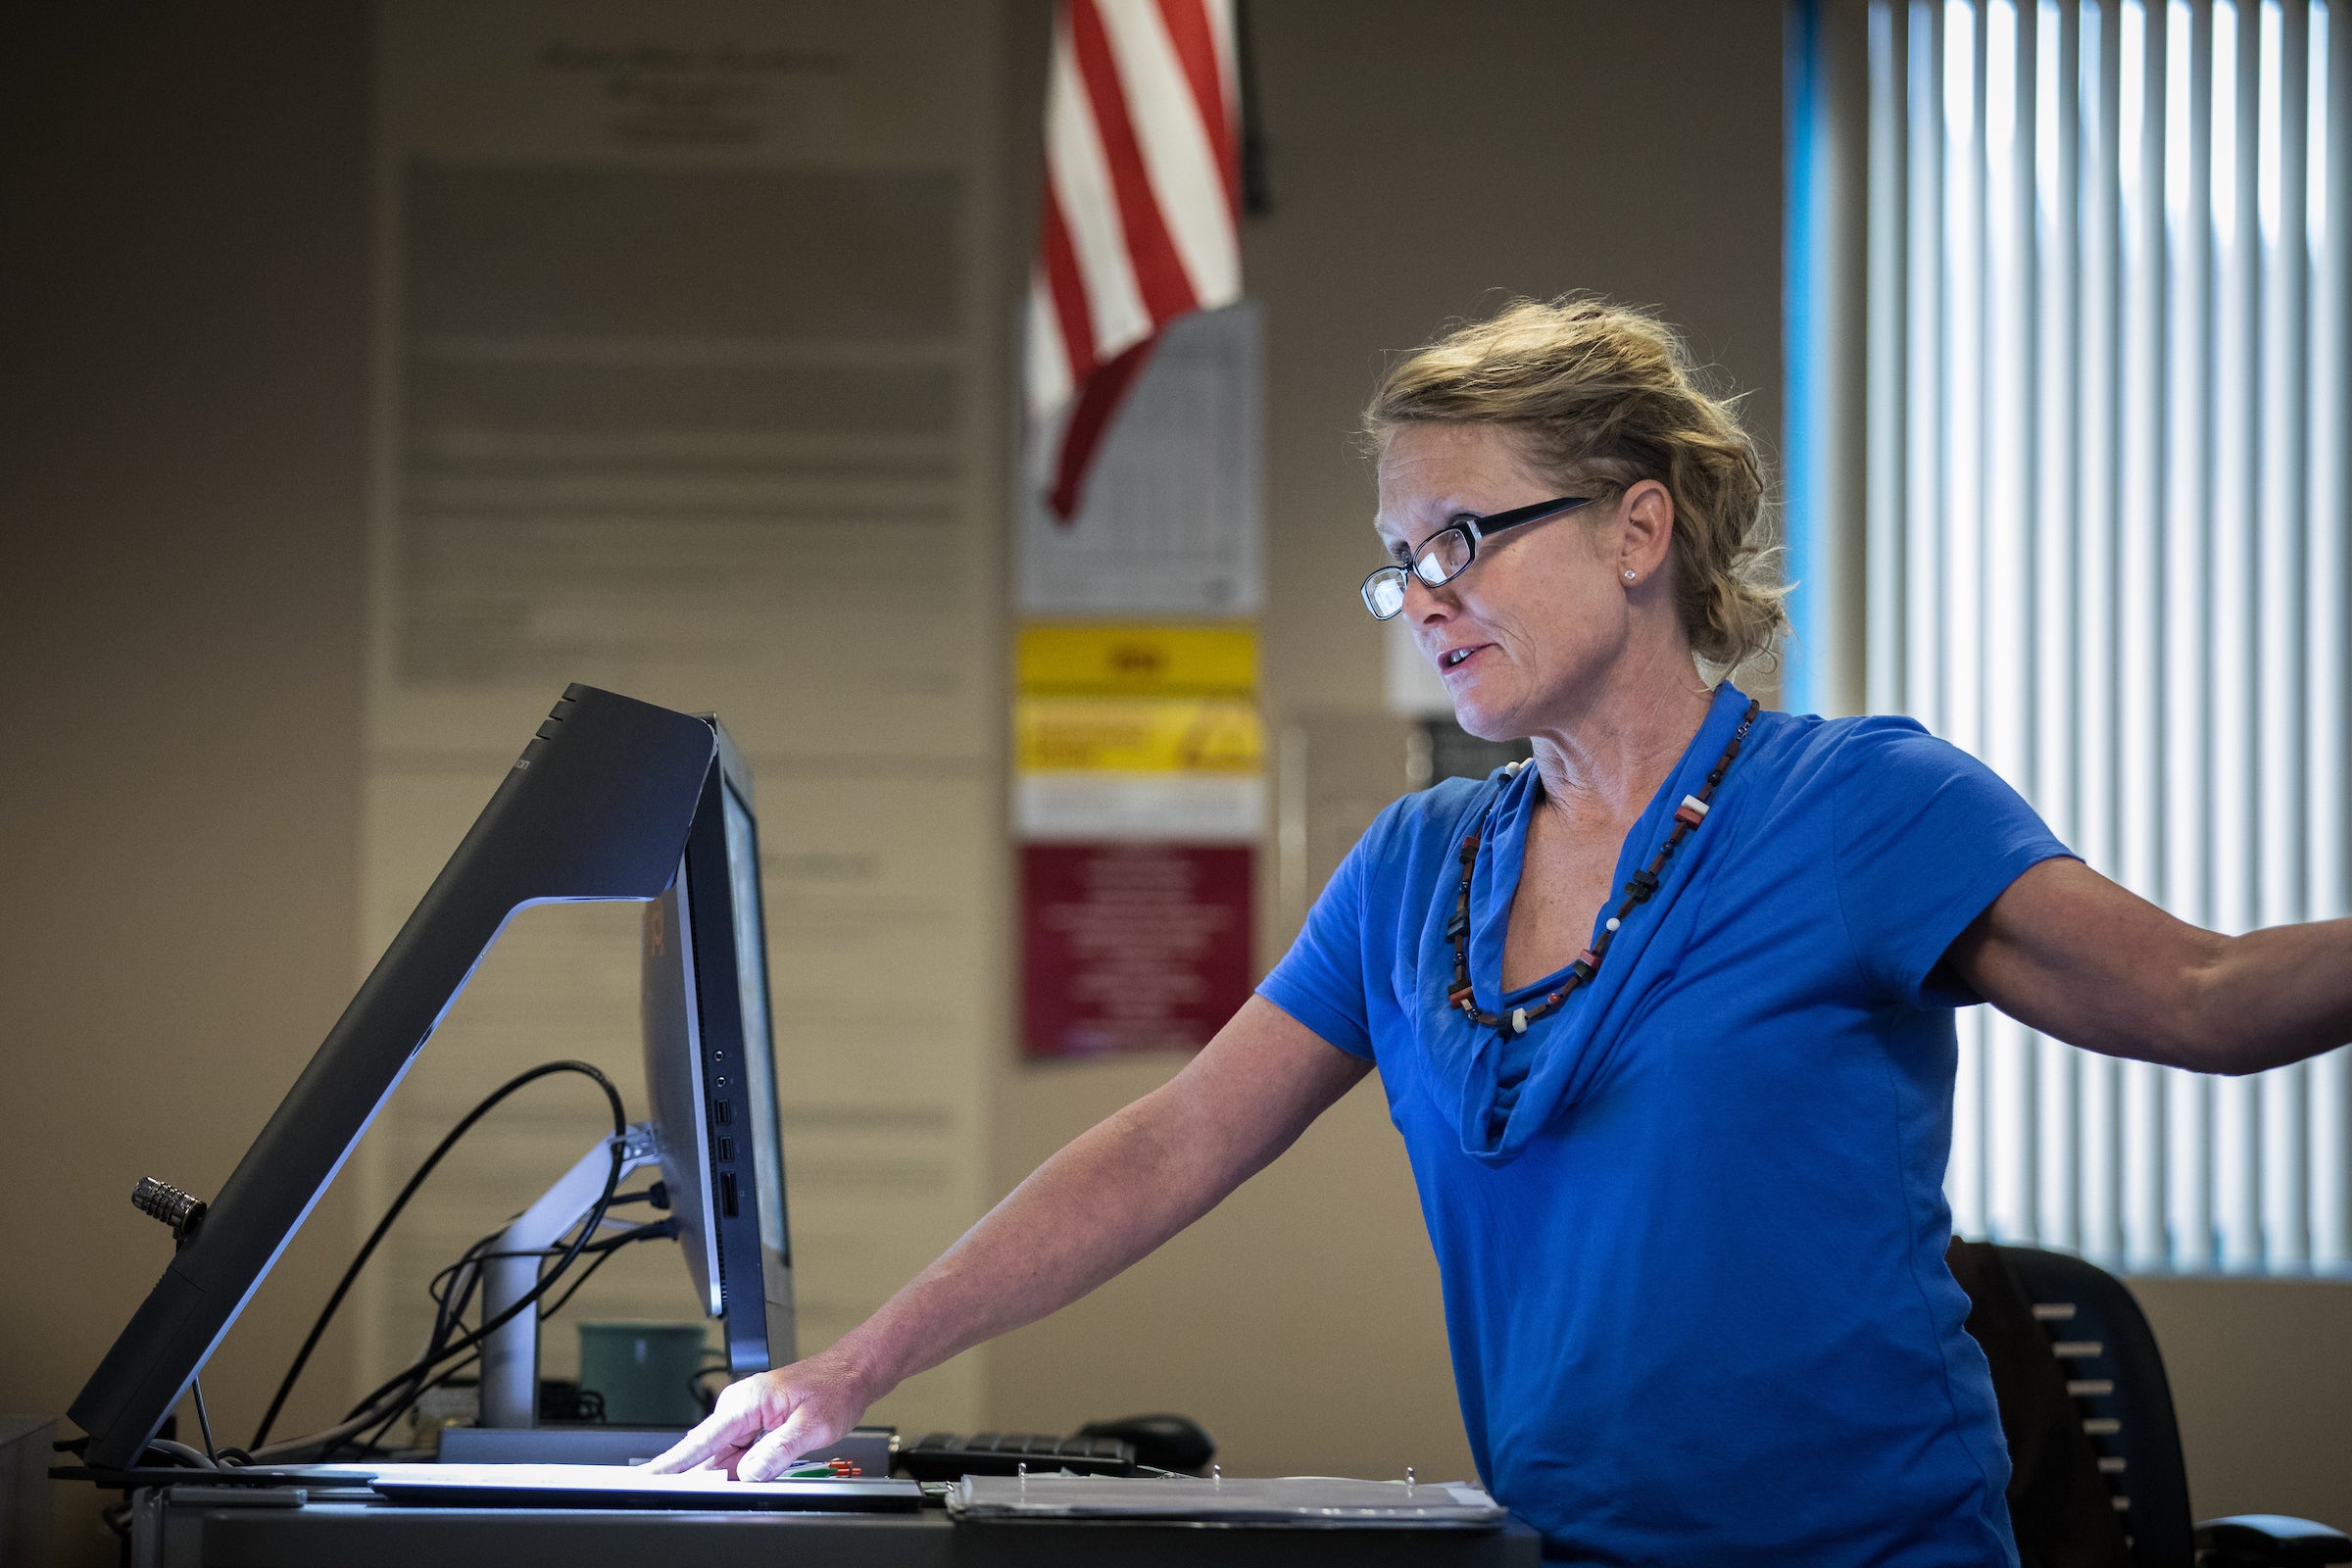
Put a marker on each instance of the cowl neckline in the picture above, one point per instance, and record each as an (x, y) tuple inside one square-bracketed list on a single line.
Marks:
[(1575, 1046)]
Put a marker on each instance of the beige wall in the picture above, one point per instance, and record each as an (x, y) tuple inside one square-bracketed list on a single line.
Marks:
[(2262, 1381), (179, 648), (180, 587)]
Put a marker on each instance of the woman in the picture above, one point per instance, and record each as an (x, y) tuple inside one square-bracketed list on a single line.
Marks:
[(1665, 1019)]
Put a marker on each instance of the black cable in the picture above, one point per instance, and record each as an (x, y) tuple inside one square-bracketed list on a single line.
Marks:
[(450, 1312), (179, 1453), (440, 1285), (651, 1230), (204, 1420), (437, 1288), (375, 1439), (385, 1404), (449, 1315), (649, 1233), (424, 1366), (657, 1230), (657, 1195), (375, 1238)]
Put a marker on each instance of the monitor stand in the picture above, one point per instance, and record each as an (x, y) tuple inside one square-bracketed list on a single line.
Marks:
[(510, 1376)]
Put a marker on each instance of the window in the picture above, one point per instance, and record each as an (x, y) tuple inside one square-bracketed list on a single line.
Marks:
[(2067, 459)]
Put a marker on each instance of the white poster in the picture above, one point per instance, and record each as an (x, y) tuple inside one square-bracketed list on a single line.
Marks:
[(689, 388), (1171, 520)]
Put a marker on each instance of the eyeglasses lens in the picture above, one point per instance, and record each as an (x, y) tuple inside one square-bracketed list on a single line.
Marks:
[(1443, 558), (1383, 594)]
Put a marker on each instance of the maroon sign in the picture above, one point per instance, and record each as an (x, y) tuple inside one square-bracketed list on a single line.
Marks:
[(1132, 946)]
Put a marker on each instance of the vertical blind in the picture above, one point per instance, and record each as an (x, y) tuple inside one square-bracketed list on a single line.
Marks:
[(2097, 306)]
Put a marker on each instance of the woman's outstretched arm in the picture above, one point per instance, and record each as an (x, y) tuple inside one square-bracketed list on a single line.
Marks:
[(2069, 953), (1112, 1194)]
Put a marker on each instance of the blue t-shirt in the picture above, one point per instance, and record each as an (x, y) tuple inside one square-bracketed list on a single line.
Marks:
[(1693, 1270)]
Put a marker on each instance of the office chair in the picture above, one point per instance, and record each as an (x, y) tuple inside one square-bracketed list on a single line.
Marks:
[(2116, 1379)]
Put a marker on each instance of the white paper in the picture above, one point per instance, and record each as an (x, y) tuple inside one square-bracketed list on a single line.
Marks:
[(1051, 806), (690, 388), (1172, 515)]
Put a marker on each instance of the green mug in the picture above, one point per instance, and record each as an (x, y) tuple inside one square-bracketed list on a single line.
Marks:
[(644, 1371)]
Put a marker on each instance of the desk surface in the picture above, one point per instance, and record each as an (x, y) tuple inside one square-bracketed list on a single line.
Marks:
[(352, 1534)]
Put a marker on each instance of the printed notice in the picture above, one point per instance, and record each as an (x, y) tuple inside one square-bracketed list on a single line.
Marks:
[(1171, 521), (1133, 945), (691, 390), (1140, 799)]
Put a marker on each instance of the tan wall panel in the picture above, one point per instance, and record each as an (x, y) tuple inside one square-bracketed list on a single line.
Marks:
[(2262, 1382), (181, 549)]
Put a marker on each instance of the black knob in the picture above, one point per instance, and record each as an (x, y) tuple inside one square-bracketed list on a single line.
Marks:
[(158, 1200)]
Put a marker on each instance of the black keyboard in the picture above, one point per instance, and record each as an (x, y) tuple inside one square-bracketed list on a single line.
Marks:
[(944, 1456)]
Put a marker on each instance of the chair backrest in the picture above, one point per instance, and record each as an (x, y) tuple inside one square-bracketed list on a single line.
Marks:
[(2116, 1378)]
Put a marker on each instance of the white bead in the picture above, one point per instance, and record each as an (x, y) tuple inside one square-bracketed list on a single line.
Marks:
[(1612, 922), (1518, 1021)]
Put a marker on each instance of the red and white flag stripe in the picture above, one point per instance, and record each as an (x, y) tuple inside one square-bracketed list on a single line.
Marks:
[(1140, 216)]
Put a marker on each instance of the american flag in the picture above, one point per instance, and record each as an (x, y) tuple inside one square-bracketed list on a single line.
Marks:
[(1140, 216)]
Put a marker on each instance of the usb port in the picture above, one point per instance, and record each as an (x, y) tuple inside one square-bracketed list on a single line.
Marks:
[(726, 1193), (726, 1149), (724, 1110)]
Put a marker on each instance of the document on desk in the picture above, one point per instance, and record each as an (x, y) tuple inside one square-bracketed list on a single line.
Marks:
[(1309, 1501), (607, 1486)]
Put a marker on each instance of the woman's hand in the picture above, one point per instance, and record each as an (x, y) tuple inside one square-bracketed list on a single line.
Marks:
[(765, 1422)]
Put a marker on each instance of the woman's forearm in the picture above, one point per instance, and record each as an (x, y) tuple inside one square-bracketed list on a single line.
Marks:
[(2069, 953), (2273, 997), (1112, 1194), (1100, 1203)]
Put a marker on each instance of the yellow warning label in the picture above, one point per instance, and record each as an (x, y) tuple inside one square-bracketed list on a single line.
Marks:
[(1138, 735), (1137, 660)]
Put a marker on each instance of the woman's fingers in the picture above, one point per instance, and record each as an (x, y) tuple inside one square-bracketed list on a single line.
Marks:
[(762, 1423), (767, 1458), (733, 1426), (695, 1451)]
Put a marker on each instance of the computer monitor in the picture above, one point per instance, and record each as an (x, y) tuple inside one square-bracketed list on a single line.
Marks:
[(709, 1071), (611, 800)]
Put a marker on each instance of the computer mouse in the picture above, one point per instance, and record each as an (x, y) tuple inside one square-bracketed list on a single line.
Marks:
[(1162, 1442)]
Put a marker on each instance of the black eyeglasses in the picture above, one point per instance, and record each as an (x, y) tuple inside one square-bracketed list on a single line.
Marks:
[(1446, 554)]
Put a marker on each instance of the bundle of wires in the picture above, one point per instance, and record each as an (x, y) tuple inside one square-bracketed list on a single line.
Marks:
[(453, 1346)]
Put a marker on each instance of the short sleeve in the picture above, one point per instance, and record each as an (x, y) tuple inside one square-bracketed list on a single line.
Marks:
[(1927, 837), (1320, 981)]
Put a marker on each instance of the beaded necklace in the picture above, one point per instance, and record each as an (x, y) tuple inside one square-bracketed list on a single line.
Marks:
[(1686, 817)]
